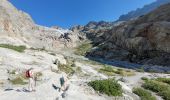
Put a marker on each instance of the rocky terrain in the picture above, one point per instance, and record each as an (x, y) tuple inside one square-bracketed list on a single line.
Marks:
[(18, 27), (52, 53), (144, 40)]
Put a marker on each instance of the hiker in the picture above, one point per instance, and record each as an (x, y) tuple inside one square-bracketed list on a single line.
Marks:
[(30, 75), (64, 85), (63, 82)]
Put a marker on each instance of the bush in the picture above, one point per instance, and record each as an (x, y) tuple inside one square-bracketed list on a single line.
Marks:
[(16, 48), (145, 78), (110, 71), (125, 72), (164, 80), (107, 70), (18, 81), (141, 69), (83, 49), (66, 68), (161, 88), (78, 69), (143, 94), (108, 86)]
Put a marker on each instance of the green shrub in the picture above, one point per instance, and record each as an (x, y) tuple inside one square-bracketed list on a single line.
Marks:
[(108, 86), (107, 70), (83, 49), (66, 68), (143, 94), (16, 48), (78, 69), (164, 80), (18, 81), (39, 49), (145, 78), (125, 72), (110, 71), (161, 88), (141, 69)]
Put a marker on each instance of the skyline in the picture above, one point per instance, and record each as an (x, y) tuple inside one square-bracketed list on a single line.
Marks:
[(64, 13)]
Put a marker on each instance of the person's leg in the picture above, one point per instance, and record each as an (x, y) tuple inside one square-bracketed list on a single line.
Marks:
[(30, 85)]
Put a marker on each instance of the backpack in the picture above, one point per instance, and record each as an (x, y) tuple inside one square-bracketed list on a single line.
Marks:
[(27, 74), (62, 81)]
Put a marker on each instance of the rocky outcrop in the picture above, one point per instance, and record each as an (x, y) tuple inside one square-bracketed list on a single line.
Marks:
[(144, 40), (17, 27), (92, 30), (142, 11)]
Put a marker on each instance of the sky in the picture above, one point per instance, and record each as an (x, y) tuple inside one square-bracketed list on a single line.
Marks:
[(67, 13)]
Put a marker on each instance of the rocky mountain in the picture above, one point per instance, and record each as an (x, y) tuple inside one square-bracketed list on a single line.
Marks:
[(17, 27), (142, 11), (93, 29), (143, 40)]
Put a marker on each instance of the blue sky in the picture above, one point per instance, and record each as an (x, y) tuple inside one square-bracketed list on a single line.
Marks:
[(66, 13)]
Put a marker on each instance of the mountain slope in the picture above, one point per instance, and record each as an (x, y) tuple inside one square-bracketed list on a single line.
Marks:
[(144, 40), (17, 27), (142, 11)]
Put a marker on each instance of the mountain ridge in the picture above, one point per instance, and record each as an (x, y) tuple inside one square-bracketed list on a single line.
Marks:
[(142, 11)]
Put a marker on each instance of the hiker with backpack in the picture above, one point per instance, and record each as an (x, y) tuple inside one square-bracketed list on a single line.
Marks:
[(64, 85), (63, 82), (30, 76)]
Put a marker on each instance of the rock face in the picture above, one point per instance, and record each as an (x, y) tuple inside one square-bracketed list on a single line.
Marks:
[(144, 40), (17, 27), (142, 11), (92, 29)]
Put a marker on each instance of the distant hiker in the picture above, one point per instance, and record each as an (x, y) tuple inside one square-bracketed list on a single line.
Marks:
[(64, 85), (63, 82), (30, 75)]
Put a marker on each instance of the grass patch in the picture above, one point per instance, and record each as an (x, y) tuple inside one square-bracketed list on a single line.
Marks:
[(123, 72), (83, 49), (110, 71), (141, 69), (16, 48), (66, 68), (78, 70), (164, 80), (160, 88), (144, 78), (18, 81), (107, 70), (108, 86), (21, 78), (144, 94), (38, 49)]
